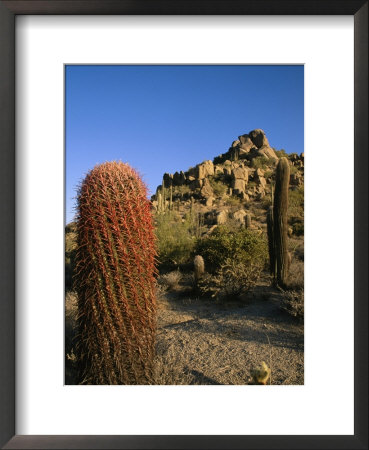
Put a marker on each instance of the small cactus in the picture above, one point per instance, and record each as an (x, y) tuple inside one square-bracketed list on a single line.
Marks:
[(171, 198), (114, 277), (248, 221), (199, 267), (260, 375)]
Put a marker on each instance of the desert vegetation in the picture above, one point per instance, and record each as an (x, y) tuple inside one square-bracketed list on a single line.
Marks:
[(202, 285)]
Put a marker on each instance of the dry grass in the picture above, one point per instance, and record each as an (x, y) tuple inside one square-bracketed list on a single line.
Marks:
[(295, 279), (168, 368), (293, 303), (70, 335), (169, 281), (231, 280)]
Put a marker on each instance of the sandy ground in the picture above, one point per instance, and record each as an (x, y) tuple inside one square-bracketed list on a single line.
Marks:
[(204, 342), (200, 341)]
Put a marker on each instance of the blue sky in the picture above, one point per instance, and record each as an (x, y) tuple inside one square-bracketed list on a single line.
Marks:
[(168, 118)]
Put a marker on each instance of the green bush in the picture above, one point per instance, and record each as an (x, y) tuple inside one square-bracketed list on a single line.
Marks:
[(242, 246), (218, 186), (184, 189), (296, 202), (232, 201), (260, 162), (175, 240), (231, 280), (281, 153), (293, 169)]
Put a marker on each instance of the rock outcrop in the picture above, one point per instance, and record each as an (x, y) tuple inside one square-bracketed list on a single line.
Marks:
[(228, 185), (240, 178)]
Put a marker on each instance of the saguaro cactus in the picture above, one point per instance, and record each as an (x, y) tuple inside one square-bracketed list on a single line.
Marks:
[(270, 228), (247, 221), (114, 278), (171, 198), (280, 225)]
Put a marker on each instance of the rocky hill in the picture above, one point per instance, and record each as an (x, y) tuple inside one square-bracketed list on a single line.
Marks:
[(236, 187)]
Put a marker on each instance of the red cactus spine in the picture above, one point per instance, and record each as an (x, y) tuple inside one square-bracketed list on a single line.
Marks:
[(114, 277)]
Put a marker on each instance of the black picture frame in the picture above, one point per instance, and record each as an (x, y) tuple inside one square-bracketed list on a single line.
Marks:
[(8, 12)]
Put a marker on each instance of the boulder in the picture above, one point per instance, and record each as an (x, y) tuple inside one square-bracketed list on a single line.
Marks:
[(222, 217), (244, 196), (240, 176), (295, 179), (209, 201), (246, 143), (167, 180), (206, 189), (240, 215), (238, 186), (196, 184), (240, 173), (259, 173), (262, 182), (179, 178), (258, 138), (204, 169), (267, 152), (260, 192), (293, 157), (259, 177)]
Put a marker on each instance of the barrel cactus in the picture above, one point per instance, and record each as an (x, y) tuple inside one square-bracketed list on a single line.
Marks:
[(114, 277), (280, 226), (199, 267)]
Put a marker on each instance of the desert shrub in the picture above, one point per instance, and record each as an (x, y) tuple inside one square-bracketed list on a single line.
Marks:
[(266, 202), (295, 280), (269, 173), (293, 303), (260, 162), (71, 331), (293, 169), (281, 153), (184, 189), (174, 239), (70, 253), (219, 188), (196, 223), (296, 202), (242, 245), (232, 279), (169, 281), (232, 201), (298, 228)]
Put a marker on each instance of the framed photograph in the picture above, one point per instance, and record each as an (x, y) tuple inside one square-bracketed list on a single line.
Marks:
[(184, 224)]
